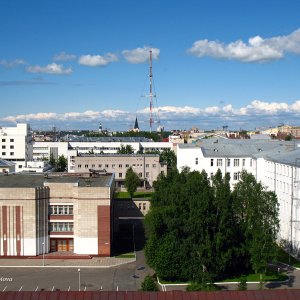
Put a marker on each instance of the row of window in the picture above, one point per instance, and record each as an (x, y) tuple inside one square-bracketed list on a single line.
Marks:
[(113, 166), (61, 210), (10, 153), (236, 175), (281, 169), (11, 140), (228, 161), (61, 226), (10, 147)]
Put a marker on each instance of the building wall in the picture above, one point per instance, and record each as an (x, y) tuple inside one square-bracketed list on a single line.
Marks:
[(16, 145), (23, 222), (147, 167)]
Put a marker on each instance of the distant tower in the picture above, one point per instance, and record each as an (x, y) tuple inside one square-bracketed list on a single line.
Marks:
[(100, 127), (151, 93), (136, 125)]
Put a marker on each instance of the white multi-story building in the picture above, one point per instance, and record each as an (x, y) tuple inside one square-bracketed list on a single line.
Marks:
[(16, 145), (276, 164)]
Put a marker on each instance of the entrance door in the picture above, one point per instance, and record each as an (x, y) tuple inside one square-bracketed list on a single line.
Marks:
[(61, 245), (53, 246)]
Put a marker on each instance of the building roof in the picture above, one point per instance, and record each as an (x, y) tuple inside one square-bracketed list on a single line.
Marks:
[(6, 163), (280, 294), (33, 180), (291, 158), (103, 139), (240, 148), (116, 155)]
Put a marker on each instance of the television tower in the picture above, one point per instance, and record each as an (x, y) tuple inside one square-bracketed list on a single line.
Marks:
[(151, 93)]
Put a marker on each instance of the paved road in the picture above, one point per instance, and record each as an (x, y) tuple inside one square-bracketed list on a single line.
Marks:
[(126, 277)]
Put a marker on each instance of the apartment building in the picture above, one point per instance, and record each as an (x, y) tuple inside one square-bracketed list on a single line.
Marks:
[(147, 166), (16, 145), (56, 213)]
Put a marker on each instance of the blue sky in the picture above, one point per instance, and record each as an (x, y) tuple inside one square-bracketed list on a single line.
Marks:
[(73, 63)]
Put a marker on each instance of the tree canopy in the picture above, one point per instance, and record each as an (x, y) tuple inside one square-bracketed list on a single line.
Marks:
[(128, 149), (132, 181), (198, 229), (169, 157), (61, 164)]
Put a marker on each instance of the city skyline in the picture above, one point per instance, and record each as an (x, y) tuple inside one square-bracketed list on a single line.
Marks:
[(74, 64)]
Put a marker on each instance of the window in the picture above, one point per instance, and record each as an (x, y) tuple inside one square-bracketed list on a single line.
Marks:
[(162, 172), (120, 166), (12, 140), (12, 147), (12, 153), (100, 166), (86, 166), (154, 165), (144, 206), (212, 162), (3, 153), (127, 165), (120, 175), (211, 175), (3, 147), (140, 206), (219, 162), (20, 166), (3, 140), (93, 166), (79, 166), (61, 226), (106, 166), (244, 162), (147, 165), (147, 174), (228, 162), (113, 166), (236, 162), (236, 176), (140, 175), (250, 162), (61, 210), (196, 160)]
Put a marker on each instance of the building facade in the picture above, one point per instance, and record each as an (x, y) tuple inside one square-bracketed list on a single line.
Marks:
[(147, 166), (56, 213), (16, 145)]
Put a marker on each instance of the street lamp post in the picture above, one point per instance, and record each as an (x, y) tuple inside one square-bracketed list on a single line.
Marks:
[(43, 254), (79, 280)]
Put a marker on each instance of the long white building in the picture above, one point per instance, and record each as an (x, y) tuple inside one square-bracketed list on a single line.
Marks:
[(276, 164)]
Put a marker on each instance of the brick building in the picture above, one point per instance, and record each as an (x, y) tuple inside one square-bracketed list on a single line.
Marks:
[(56, 213)]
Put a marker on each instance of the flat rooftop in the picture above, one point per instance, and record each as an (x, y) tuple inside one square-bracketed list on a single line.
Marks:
[(32, 180)]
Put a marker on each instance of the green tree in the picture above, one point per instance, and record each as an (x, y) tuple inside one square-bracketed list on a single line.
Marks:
[(169, 157), (132, 181), (149, 284), (257, 217), (61, 164), (242, 286), (128, 149), (52, 160)]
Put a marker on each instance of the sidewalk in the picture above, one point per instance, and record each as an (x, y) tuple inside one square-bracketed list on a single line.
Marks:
[(95, 262)]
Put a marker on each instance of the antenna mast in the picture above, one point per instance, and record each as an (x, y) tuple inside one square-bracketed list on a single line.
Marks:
[(151, 94)]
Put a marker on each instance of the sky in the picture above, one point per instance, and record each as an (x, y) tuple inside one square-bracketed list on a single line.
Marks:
[(74, 64)]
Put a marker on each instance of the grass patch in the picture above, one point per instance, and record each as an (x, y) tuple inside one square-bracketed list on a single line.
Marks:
[(125, 195), (126, 255), (256, 277), (284, 257), (162, 281)]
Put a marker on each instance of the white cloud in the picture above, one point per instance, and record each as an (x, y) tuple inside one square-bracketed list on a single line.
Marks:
[(12, 63), (63, 56), (97, 60), (140, 55), (257, 49), (256, 112), (49, 69)]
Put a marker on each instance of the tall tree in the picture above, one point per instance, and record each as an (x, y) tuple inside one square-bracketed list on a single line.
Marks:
[(132, 181), (257, 216), (169, 157), (61, 164), (128, 149)]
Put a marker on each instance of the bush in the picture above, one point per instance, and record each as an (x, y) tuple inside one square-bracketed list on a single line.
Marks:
[(149, 284), (243, 283), (202, 287)]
